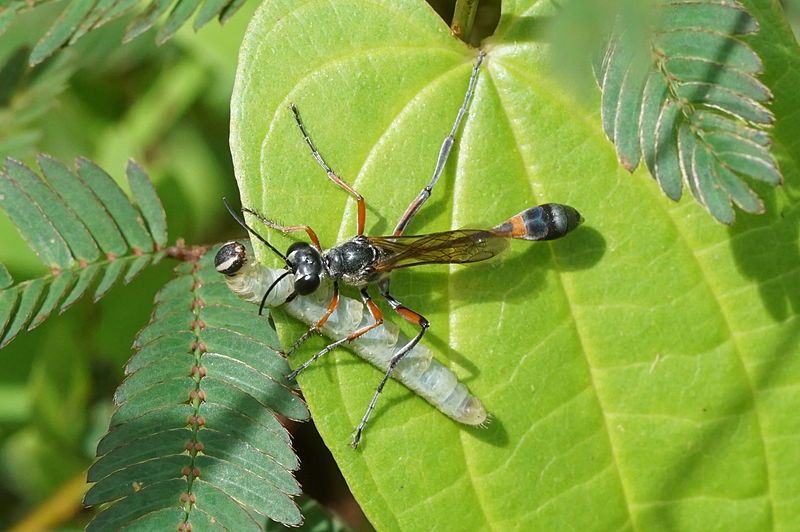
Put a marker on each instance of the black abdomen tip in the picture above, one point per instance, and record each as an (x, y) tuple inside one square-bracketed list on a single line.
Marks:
[(550, 221)]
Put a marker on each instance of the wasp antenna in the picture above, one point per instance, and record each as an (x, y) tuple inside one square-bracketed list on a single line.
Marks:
[(271, 287), (253, 232)]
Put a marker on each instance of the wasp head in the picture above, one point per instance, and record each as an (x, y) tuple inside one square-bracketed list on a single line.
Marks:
[(306, 264)]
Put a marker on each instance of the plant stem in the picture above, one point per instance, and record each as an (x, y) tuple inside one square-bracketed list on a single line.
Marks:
[(58, 509), (182, 252), (464, 18)]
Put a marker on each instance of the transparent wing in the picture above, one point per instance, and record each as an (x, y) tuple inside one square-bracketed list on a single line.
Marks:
[(449, 247)]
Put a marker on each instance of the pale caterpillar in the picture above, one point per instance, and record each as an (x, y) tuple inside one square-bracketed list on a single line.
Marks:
[(418, 370)]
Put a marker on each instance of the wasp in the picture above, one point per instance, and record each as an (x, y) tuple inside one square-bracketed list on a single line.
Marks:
[(366, 261)]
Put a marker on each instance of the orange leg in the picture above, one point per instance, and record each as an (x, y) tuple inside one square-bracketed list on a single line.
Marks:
[(362, 208), (317, 326), (408, 315), (286, 229), (376, 315)]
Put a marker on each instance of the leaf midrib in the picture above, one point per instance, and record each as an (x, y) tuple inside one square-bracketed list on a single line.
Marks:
[(348, 211), (562, 283)]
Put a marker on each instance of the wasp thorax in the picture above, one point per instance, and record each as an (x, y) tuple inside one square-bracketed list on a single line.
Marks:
[(306, 264), (230, 258)]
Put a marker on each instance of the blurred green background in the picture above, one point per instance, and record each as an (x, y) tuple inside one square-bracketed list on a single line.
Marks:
[(168, 108)]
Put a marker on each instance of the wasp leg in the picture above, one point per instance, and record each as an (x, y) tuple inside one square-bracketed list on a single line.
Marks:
[(362, 208), (317, 326), (376, 315), (286, 229), (444, 153), (411, 316)]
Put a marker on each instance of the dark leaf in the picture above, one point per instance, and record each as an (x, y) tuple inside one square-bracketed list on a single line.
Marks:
[(68, 223), (194, 385), (686, 98)]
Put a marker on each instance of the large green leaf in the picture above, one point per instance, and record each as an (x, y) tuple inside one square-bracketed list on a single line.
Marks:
[(641, 373)]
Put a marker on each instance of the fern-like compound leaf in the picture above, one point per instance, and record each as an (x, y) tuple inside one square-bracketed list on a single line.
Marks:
[(154, 10), (195, 438), (683, 95), (65, 222), (5, 278), (62, 29), (130, 220), (30, 294), (146, 199), (33, 224), (26, 93), (55, 295), (111, 275), (181, 12), (82, 16), (83, 228), (86, 204)]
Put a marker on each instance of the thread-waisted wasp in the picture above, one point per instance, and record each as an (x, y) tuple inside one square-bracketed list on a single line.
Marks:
[(363, 261)]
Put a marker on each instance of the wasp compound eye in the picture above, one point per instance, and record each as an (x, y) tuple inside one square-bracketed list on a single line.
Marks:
[(230, 258), (301, 247), (306, 284)]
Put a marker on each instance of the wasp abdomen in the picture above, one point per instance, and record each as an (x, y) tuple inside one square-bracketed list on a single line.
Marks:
[(543, 222)]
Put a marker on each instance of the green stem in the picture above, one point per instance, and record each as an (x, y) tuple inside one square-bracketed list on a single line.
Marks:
[(464, 18)]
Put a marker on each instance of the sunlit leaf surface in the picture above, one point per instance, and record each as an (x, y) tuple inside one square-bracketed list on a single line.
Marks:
[(641, 373)]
